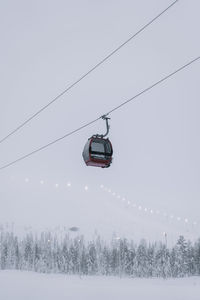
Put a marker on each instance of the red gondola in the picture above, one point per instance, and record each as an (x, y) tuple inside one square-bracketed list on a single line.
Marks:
[(98, 150)]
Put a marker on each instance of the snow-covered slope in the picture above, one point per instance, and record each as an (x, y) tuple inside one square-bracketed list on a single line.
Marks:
[(33, 286), (98, 211)]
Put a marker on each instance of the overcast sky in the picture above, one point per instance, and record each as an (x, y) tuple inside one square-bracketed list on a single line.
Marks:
[(46, 46)]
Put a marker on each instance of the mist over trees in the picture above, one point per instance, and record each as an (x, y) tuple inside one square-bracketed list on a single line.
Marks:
[(50, 253)]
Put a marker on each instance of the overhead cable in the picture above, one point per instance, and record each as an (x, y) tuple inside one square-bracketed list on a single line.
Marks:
[(86, 74), (153, 85), (109, 112)]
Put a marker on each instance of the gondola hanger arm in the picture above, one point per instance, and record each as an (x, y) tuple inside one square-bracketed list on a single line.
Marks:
[(104, 117)]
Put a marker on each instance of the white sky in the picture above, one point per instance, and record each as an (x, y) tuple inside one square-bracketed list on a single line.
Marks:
[(45, 46)]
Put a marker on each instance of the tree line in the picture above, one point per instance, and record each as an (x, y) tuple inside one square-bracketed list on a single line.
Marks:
[(49, 253)]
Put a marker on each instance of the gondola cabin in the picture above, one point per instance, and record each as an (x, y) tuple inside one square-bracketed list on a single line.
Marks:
[(98, 152)]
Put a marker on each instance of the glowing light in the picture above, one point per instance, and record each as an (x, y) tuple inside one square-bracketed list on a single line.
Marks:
[(129, 203), (69, 184), (86, 188), (56, 185), (26, 180), (48, 241), (41, 181)]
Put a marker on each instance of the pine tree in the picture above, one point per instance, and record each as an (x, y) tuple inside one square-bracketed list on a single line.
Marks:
[(141, 259), (182, 256)]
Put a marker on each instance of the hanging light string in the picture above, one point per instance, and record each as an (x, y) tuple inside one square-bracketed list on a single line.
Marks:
[(95, 120), (86, 74), (153, 212), (145, 209)]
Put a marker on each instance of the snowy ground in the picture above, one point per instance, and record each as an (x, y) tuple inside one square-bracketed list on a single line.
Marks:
[(33, 286)]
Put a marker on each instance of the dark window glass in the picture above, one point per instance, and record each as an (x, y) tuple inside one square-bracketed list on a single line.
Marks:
[(108, 148), (97, 147)]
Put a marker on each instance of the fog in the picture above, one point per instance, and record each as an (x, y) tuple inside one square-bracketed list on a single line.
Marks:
[(45, 47)]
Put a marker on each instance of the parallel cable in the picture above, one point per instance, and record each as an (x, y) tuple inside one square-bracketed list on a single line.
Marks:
[(153, 85), (49, 144), (95, 120), (86, 74)]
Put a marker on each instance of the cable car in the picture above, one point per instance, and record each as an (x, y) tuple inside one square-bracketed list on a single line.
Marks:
[(98, 150)]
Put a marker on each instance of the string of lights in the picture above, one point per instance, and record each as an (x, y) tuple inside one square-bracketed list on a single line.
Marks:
[(168, 217), (87, 73), (95, 120), (151, 211)]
